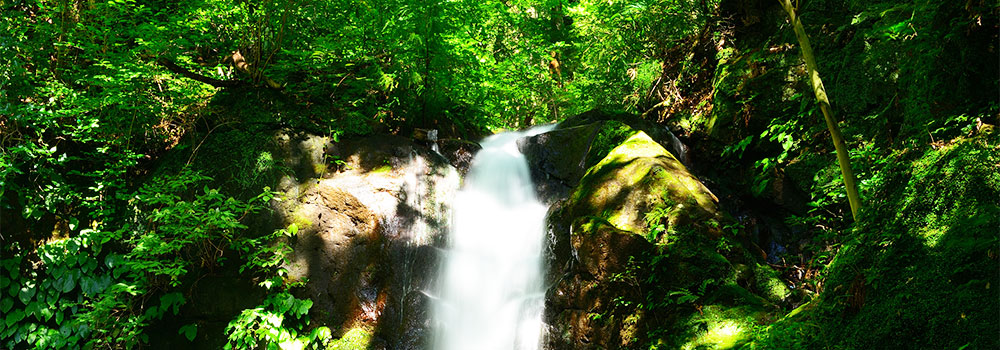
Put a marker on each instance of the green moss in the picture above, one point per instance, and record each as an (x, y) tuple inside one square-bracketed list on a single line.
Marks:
[(638, 177), (300, 219), (382, 169), (612, 134), (354, 339), (769, 284), (919, 269), (720, 327)]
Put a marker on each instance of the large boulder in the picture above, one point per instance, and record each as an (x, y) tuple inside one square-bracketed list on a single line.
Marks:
[(640, 181), (642, 255)]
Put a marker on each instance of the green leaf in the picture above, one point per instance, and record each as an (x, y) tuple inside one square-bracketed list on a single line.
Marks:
[(64, 284), (93, 285), (303, 306), (89, 286), (89, 264), (6, 304), (14, 317), (293, 229), (27, 292), (172, 301), (34, 308), (58, 272), (189, 331)]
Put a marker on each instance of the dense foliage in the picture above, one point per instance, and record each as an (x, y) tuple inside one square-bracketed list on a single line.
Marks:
[(108, 221)]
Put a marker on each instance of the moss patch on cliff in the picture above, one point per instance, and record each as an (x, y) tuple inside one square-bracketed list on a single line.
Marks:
[(354, 339)]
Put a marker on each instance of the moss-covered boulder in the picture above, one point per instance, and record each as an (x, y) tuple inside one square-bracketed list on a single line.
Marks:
[(641, 187), (643, 258)]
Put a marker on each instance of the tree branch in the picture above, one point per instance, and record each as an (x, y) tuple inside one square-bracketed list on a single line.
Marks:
[(173, 67)]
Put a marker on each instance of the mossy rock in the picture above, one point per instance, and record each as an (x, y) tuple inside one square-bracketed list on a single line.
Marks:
[(676, 278), (599, 303), (640, 177)]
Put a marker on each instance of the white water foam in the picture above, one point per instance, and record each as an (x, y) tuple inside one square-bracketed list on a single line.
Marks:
[(491, 295)]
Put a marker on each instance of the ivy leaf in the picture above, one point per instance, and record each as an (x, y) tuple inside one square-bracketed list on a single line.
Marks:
[(65, 284), (27, 292), (14, 317), (6, 304), (189, 331)]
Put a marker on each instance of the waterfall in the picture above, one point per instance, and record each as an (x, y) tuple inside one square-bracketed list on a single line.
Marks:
[(491, 292)]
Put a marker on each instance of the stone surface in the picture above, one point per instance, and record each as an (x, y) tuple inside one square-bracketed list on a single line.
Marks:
[(459, 153), (584, 309), (371, 214), (556, 159)]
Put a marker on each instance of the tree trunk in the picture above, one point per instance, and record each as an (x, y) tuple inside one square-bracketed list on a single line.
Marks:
[(824, 104)]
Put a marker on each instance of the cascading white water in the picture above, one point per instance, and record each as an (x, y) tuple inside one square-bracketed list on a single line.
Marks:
[(491, 294)]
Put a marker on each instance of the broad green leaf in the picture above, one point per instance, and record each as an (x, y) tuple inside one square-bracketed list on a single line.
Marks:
[(189, 331), (6, 304), (27, 292), (34, 308), (14, 317), (172, 301), (65, 284)]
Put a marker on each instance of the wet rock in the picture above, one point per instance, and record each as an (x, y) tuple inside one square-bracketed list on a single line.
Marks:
[(557, 159), (459, 153)]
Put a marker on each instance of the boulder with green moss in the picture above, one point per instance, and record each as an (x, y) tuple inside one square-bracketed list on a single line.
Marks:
[(365, 219), (640, 187), (643, 257)]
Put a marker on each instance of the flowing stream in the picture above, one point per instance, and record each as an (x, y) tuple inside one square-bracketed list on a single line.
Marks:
[(491, 284)]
